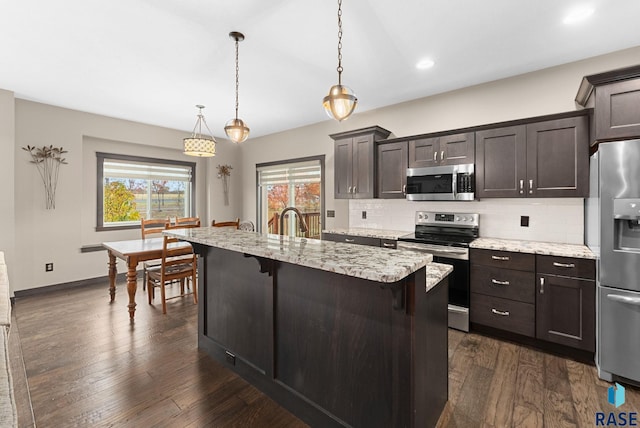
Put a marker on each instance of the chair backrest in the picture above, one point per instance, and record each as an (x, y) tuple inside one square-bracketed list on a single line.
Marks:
[(188, 222), (235, 223), (153, 226), (175, 254), (247, 225)]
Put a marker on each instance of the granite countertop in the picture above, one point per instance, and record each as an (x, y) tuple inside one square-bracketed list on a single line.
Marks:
[(534, 247), (361, 261), (436, 272), (371, 233)]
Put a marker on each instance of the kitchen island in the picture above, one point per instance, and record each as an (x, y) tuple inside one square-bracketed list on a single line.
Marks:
[(339, 334)]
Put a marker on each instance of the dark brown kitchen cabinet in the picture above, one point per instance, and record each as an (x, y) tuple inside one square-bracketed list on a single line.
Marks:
[(452, 149), (565, 301), (354, 162), (391, 170), (502, 290), (501, 156), (540, 159), (615, 97)]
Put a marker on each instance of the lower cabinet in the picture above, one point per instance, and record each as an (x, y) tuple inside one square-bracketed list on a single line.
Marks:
[(544, 297), (565, 305)]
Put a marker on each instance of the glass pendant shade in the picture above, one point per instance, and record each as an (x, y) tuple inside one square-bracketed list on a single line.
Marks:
[(340, 102), (237, 130)]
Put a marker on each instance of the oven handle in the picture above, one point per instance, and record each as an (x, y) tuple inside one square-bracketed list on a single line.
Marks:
[(419, 247)]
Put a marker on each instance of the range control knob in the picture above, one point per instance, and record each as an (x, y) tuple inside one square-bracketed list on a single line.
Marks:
[(457, 218), (420, 217)]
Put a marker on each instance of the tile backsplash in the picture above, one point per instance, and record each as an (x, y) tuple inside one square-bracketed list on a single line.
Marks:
[(550, 219)]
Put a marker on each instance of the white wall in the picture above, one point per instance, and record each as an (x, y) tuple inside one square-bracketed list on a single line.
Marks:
[(550, 219), (56, 235), (539, 93), (7, 193)]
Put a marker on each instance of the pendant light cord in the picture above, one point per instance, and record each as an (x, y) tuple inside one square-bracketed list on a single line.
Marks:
[(339, 42), (237, 79)]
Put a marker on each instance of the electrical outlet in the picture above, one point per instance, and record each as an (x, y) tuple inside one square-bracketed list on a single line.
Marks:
[(364, 215), (331, 213), (524, 220), (48, 267)]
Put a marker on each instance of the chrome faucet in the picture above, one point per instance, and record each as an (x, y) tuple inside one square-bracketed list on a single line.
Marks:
[(303, 224)]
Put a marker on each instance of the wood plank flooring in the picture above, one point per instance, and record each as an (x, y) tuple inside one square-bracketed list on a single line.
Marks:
[(86, 365)]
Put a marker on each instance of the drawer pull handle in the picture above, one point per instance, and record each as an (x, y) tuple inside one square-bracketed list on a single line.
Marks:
[(384, 244), (564, 265), (503, 258), (501, 313), (350, 187), (349, 240), (495, 281), (435, 156), (521, 186)]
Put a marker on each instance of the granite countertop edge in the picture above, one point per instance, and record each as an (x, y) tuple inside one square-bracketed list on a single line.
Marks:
[(436, 272), (360, 261), (369, 232), (534, 247)]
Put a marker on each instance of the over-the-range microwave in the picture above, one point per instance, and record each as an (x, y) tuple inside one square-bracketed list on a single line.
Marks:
[(441, 183)]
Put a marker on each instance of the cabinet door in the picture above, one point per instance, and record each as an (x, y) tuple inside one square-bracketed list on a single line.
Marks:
[(424, 152), (392, 170), (617, 110), (457, 149), (363, 167), (558, 158), (343, 166), (565, 311), (501, 162)]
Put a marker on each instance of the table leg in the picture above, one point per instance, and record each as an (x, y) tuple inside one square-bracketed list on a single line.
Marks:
[(112, 276), (132, 285)]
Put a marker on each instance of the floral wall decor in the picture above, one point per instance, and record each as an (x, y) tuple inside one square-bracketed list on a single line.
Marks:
[(48, 160), (224, 172)]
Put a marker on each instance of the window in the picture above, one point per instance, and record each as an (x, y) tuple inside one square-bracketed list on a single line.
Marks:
[(294, 183), (131, 188)]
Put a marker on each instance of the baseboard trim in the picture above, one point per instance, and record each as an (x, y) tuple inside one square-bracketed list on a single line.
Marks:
[(121, 277)]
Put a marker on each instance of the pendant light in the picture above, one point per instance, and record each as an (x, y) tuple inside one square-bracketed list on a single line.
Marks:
[(236, 129), (341, 101), (199, 144)]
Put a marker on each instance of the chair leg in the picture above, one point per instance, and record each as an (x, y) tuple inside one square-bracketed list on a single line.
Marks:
[(164, 300), (195, 287), (149, 290), (182, 286)]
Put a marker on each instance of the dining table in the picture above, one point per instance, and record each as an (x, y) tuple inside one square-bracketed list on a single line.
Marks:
[(132, 252)]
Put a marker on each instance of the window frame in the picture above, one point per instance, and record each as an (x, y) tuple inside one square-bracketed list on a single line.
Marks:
[(319, 158), (100, 157)]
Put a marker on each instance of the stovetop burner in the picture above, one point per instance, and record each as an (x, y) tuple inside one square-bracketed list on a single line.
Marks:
[(446, 229)]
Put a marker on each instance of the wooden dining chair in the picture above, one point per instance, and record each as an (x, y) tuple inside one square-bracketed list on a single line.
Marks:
[(178, 262), (235, 223), (188, 222), (152, 227)]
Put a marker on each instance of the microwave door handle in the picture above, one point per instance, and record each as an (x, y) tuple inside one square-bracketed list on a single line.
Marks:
[(454, 185)]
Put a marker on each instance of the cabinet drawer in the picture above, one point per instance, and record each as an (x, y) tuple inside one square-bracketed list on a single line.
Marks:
[(505, 283), (503, 259), (351, 239), (504, 314), (566, 266), (389, 243)]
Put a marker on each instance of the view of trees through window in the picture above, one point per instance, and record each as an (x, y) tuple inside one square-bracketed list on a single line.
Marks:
[(132, 199)]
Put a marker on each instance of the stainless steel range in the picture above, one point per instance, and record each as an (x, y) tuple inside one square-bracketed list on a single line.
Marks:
[(447, 236)]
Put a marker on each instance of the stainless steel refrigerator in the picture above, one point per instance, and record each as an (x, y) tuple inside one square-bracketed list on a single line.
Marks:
[(613, 232)]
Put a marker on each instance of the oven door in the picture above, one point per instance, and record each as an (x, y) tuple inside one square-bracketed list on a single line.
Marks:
[(458, 279)]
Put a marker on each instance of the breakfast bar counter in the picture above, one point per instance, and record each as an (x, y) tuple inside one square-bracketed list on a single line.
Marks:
[(339, 334)]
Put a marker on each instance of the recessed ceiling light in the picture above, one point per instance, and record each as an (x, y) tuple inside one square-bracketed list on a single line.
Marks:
[(578, 14), (425, 64)]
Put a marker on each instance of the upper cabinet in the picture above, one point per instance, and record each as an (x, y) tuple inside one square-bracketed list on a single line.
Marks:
[(540, 159), (354, 162), (615, 97), (453, 149), (391, 170)]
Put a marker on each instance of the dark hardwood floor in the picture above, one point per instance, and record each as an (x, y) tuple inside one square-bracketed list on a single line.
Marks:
[(86, 365)]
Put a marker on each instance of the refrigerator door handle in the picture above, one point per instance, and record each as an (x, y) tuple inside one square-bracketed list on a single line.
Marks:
[(624, 299)]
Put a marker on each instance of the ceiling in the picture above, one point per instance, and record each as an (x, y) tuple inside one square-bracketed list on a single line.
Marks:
[(151, 61)]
